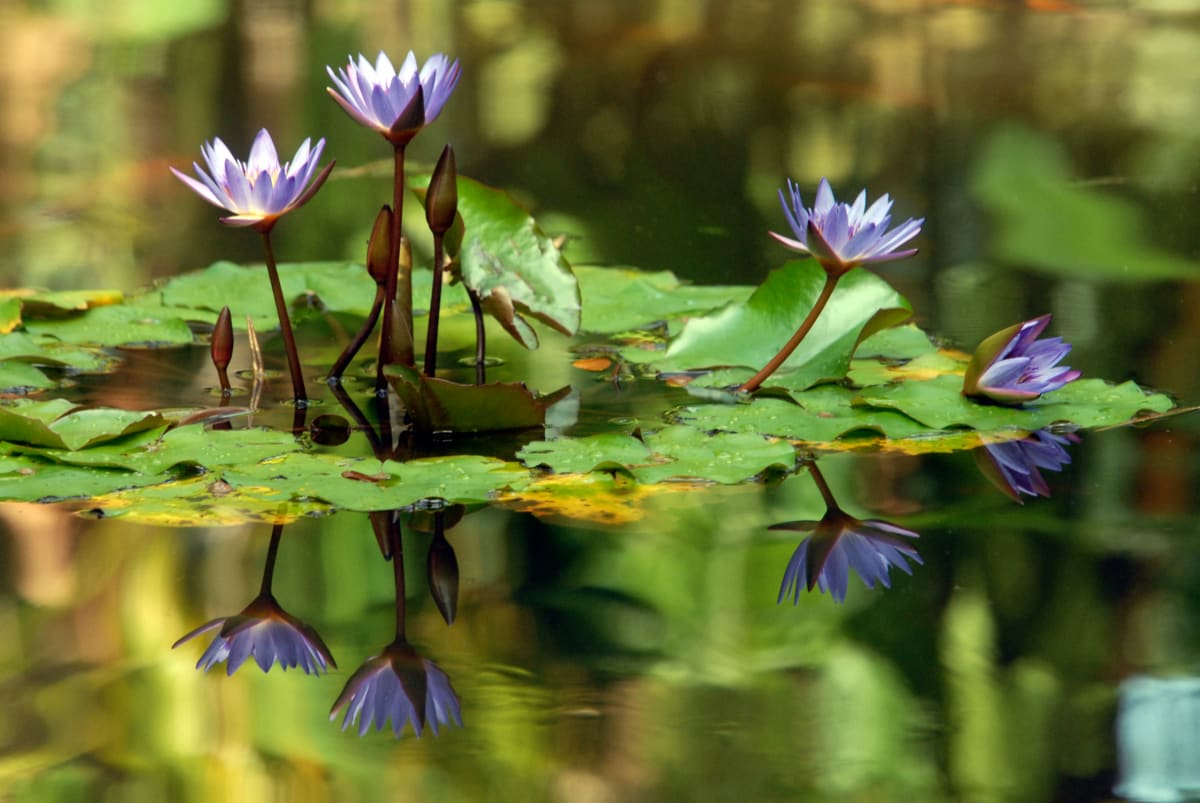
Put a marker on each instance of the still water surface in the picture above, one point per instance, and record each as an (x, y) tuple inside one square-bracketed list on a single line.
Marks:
[(1042, 651)]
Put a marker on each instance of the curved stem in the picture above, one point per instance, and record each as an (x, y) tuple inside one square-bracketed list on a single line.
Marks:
[(352, 348), (269, 569), (822, 486), (435, 307), (480, 337), (779, 359), (285, 323), (398, 287)]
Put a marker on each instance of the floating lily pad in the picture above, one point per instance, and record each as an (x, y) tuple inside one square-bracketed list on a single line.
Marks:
[(677, 452), (750, 334), (19, 377), (939, 403), (48, 350), (119, 326), (56, 303), (39, 481), (10, 314), (57, 424)]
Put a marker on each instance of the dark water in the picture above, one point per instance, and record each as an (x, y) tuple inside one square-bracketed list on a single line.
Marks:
[(1043, 651)]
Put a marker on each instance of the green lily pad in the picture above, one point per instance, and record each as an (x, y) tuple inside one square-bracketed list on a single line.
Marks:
[(897, 343), (819, 416), (21, 377), (39, 481), (438, 405), (57, 424), (939, 403), (620, 299), (750, 334), (119, 326), (48, 350), (10, 314), (677, 452), (57, 303)]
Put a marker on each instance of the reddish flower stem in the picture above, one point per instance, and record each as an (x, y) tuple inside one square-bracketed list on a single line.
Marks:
[(285, 324), (272, 553), (752, 384), (399, 287), (480, 337), (435, 307), (398, 569)]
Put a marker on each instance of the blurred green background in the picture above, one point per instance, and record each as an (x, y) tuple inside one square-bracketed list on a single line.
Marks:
[(1052, 146)]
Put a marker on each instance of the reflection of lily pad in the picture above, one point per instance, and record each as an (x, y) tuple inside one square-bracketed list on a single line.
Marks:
[(750, 334)]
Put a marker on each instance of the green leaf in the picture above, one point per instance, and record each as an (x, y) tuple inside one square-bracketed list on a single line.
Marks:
[(620, 299), (10, 314), (503, 248), (48, 350), (438, 405), (39, 481), (119, 326), (1045, 220), (819, 416), (939, 403), (677, 452), (57, 303), (18, 377), (750, 334), (48, 423)]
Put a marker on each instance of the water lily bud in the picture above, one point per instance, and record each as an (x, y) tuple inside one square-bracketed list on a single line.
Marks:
[(441, 203), (442, 573), (380, 245), (1013, 366), (222, 341)]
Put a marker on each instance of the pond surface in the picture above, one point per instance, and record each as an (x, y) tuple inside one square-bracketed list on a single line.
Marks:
[(630, 646)]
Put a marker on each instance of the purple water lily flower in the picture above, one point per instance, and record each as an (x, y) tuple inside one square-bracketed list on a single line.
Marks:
[(839, 543), (397, 104), (266, 632), (1013, 366), (842, 236), (259, 190), (1012, 466), (400, 685)]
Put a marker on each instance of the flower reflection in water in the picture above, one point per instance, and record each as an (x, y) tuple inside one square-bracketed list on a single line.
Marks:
[(400, 685), (264, 631), (1013, 466), (838, 543)]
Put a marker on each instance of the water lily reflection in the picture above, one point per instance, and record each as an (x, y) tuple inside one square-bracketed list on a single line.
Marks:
[(838, 543), (401, 686), (263, 631), (1013, 466), (266, 632)]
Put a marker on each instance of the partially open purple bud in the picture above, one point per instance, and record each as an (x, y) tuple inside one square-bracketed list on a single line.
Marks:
[(441, 203), (842, 236), (1013, 366)]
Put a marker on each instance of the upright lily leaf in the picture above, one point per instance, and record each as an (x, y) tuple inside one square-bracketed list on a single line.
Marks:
[(438, 405), (750, 334), (939, 403), (619, 299), (504, 251)]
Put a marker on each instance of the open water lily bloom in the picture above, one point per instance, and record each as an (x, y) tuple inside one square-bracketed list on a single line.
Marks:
[(266, 633), (839, 543), (379, 96), (401, 686), (842, 236), (259, 190), (1014, 366)]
